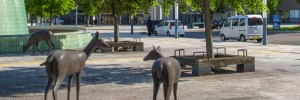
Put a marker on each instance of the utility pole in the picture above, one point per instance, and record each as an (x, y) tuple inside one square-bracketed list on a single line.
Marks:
[(76, 13), (265, 24), (176, 19), (132, 22)]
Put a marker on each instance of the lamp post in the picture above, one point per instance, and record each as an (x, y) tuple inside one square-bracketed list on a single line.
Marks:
[(265, 24), (132, 21), (76, 13), (176, 19)]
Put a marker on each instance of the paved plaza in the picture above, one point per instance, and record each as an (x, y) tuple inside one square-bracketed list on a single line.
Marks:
[(125, 76)]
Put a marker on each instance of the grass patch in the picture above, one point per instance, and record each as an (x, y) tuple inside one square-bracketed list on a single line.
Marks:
[(290, 28)]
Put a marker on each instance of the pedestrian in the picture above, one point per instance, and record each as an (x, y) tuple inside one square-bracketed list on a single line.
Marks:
[(149, 26)]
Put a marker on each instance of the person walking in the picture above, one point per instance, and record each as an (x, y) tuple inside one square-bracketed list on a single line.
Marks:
[(149, 26)]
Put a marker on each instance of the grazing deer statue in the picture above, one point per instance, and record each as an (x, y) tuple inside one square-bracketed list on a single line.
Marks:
[(38, 36), (68, 62), (166, 70)]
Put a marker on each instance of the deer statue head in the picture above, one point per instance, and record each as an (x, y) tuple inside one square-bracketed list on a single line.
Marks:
[(95, 43), (25, 48), (154, 54), (99, 42)]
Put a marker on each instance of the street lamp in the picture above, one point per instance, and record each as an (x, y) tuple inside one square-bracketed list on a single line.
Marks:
[(132, 21), (176, 19), (265, 25), (76, 13)]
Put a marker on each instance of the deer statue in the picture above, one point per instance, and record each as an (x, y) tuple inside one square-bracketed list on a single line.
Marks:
[(38, 36), (68, 62), (166, 70)]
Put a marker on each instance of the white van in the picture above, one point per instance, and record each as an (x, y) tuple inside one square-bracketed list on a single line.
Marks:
[(242, 28)]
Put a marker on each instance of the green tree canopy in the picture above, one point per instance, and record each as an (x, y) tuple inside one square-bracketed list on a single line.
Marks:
[(49, 8), (121, 7), (36, 7), (90, 8), (59, 7)]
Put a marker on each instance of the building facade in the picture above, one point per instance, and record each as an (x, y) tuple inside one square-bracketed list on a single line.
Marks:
[(289, 11)]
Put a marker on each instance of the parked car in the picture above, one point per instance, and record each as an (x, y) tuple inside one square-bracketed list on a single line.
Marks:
[(156, 22), (216, 25), (242, 28), (57, 21), (154, 25), (167, 27)]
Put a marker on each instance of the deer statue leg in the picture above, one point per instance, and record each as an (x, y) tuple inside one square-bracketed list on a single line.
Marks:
[(175, 90), (37, 45), (70, 77), (156, 85), (155, 89), (78, 77), (58, 82), (33, 52), (49, 46), (167, 90), (52, 44), (50, 81)]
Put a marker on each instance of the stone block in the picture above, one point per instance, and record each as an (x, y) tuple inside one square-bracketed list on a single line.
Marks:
[(138, 48), (247, 67), (200, 70)]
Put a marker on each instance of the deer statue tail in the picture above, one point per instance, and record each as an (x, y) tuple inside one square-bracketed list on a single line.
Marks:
[(48, 60), (159, 70)]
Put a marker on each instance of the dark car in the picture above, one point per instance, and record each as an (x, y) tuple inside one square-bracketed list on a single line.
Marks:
[(216, 25)]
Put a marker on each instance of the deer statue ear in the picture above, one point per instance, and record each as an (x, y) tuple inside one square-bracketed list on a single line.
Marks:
[(158, 48), (153, 47), (97, 34)]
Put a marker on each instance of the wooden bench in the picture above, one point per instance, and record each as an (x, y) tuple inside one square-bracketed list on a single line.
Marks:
[(135, 45), (202, 65), (199, 24)]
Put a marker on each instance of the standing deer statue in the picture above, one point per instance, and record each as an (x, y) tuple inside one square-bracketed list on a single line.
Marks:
[(38, 36), (166, 70), (68, 62)]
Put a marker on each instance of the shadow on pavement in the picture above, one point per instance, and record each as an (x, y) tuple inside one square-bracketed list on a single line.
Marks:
[(21, 80)]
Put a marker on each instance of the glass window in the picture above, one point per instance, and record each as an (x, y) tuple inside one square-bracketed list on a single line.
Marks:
[(227, 23), (235, 22), (254, 21), (173, 23), (242, 22), (165, 23)]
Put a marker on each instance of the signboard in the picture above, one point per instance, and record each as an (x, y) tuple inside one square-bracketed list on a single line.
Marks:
[(276, 22)]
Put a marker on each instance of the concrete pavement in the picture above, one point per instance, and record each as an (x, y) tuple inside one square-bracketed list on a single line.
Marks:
[(124, 76)]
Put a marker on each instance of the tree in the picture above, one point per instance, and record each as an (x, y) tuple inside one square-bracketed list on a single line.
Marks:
[(121, 7), (49, 8), (35, 8), (272, 5), (211, 5), (90, 8), (58, 7)]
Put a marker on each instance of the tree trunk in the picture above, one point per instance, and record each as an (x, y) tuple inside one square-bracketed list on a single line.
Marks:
[(51, 19), (116, 23), (116, 28), (88, 21), (31, 20), (208, 31)]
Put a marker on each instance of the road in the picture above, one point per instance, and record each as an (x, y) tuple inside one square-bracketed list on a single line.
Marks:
[(286, 38)]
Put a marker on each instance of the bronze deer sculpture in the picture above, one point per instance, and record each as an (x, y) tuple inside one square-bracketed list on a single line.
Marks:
[(68, 62), (166, 70), (36, 37)]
